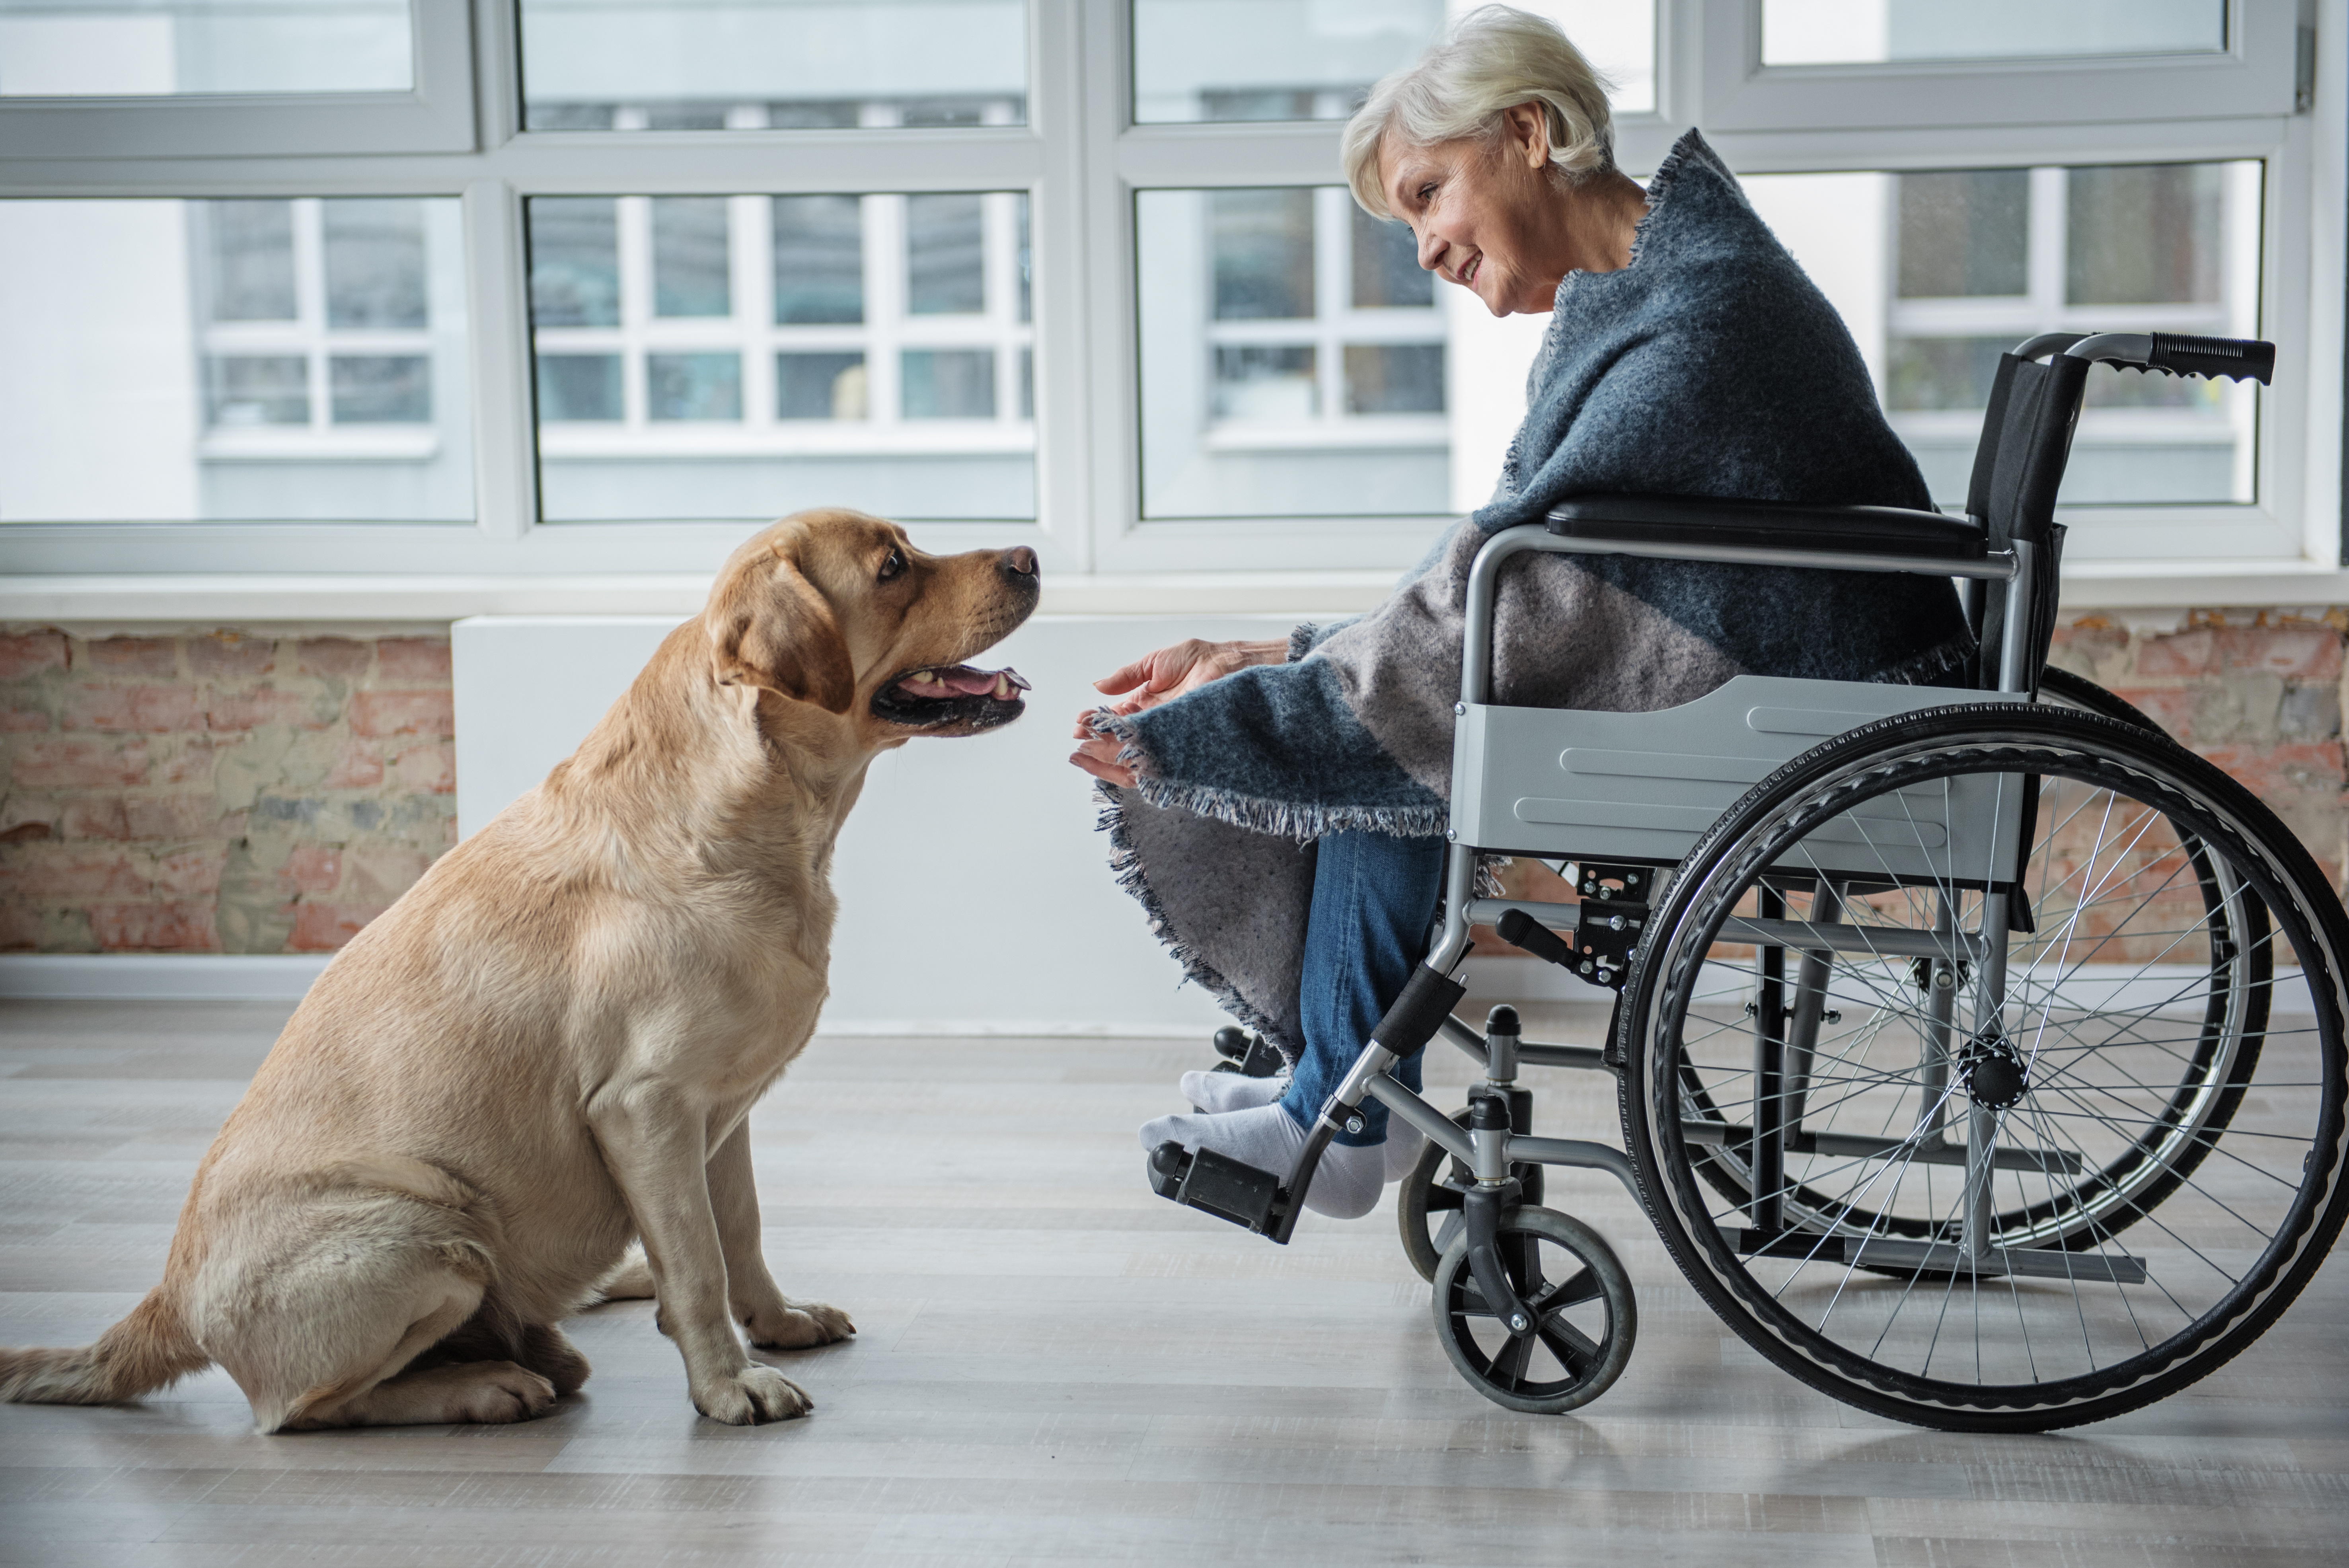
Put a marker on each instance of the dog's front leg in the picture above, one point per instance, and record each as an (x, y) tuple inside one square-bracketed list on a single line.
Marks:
[(775, 1321), (659, 1153)]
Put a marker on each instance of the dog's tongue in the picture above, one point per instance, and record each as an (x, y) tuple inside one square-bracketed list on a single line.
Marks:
[(969, 681), (963, 681)]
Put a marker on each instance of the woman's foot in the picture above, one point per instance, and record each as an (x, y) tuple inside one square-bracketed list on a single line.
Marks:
[(1216, 1092), (1346, 1184)]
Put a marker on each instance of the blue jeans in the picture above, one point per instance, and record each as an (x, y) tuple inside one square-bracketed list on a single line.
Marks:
[(1375, 896)]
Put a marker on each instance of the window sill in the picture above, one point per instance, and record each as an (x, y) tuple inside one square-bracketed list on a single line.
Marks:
[(409, 445)]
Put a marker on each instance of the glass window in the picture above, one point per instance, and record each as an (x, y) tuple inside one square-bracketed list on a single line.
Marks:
[(234, 360), (869, 351), (1978, 260), (1293, 359), (122, 48), (1835, 32), (759, 65), (1311, 59)]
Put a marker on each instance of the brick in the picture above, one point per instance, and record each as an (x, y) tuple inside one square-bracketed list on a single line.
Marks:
[(432, 769), (27, 833), (385, 874), (2295, 652), (2172, 707), (324, 927), (95, 817), (2273, 772), (185, 927), (23, 720), (31, 653), (153, 709), (230, 656), (382, 713), (194, 762), (2179, 653), (332, 656), (74, 763), (360, 766), (63, 875), (191, 872), (135, 657), (231, 711), (413, 660), (172, 816), (311, 868), (20, 929)]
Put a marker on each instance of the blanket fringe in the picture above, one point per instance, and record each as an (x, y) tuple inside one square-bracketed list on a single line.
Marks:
[(1288, 818)]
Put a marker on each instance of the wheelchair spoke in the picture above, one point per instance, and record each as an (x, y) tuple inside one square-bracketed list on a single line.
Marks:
[(1573, 1348)]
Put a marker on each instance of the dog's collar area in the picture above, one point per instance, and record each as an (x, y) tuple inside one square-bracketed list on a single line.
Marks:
[(954, 697)]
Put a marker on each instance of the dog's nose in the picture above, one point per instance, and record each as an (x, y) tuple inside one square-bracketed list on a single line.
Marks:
[(1020, 561)]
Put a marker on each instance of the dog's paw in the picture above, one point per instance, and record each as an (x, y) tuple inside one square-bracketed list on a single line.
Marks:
[(754, 1395), (500, 1391), (795, 1325)]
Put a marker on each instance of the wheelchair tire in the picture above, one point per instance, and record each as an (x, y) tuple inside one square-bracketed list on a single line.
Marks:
[(2234, 1021), (1427, 1201), (1586, 1317), (2096, 1083)]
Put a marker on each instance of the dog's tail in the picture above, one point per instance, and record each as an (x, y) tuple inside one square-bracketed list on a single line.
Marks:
[(149, 1349)]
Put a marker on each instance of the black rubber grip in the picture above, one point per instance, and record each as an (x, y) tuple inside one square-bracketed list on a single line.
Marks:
[(2238, 358), (1519, 929), (1426, 1001)]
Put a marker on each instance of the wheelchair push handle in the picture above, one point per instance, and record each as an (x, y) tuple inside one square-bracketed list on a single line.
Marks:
[(2171, 353)]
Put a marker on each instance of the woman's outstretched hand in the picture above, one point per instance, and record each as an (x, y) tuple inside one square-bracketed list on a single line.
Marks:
[(1162, 677)]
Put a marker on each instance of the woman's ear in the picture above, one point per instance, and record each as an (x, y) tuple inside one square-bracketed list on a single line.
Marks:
[(773, 630), (1527, 130)]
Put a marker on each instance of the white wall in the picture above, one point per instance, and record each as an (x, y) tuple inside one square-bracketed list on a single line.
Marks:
[(974, 889)]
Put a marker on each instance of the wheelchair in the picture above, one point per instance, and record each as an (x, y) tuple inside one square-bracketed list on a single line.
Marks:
[(1979, 1052)]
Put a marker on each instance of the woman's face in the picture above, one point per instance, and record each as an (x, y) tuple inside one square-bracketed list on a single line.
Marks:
[(1486, 214)]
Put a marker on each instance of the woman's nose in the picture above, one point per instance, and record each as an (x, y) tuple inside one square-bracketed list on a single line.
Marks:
[(1431, 251)]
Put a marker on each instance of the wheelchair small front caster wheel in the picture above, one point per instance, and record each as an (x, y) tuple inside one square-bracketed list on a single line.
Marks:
[(1584, 1317), (1427, 1202), (1243, 1052)]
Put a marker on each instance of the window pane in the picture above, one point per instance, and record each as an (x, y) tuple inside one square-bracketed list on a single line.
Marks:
[(876, 358), (756, 65), (1831, 31), (820, 387), (1963, 279), (693, 385), (75, 49), (381, 389), (170, 361), (1263, 244), (2148, 234), (252, 256), (689, 270), (945, 256), (1310, 60), (949, 383), (579, 386), (819, 259), (1965, 232), (1263, 394), (375, 262), (574, 261)]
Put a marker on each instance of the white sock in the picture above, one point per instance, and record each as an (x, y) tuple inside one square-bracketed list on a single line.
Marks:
[(1216, 1092), (1346, 1183), (1403, 1144)]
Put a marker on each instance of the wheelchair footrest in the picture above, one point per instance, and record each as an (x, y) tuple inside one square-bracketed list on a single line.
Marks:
[(1217, 1184), (1939, 1258)]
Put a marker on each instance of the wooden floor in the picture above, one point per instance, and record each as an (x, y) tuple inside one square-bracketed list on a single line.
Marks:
[(1056, 1364)]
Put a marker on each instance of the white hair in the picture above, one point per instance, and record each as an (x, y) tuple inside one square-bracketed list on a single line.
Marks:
[(1495, 58)]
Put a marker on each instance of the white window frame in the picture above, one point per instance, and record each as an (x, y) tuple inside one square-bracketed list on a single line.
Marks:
[(1081, 161)]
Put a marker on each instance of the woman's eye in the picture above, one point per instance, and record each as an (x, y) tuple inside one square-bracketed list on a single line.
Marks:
[(894, 566), (1425, 191)]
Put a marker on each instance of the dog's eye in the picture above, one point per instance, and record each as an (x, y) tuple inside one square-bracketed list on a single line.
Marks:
[(894, 566)]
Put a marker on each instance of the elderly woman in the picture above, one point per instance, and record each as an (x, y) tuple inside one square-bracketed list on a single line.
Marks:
[(1278, 807)]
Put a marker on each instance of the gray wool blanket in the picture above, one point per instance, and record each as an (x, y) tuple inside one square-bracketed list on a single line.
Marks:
[(1709, 366)]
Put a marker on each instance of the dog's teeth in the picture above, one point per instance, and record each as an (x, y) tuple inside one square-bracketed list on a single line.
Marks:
[(1002, 687)]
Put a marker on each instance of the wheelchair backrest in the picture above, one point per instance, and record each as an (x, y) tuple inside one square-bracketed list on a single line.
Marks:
[(2018, 468)]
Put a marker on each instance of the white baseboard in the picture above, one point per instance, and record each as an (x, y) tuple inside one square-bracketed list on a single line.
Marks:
[(159, 976)]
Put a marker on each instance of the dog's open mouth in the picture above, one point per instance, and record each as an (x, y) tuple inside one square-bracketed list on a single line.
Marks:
[(953, 697)]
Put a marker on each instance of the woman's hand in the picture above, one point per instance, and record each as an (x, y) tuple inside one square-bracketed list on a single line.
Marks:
[(1160, 677)]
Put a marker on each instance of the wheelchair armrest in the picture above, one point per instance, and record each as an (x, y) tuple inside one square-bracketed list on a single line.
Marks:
[(1769, 525)]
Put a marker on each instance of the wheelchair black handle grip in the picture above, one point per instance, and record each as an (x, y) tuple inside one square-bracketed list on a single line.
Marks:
[(2238, 358), (1426, 1001), (1519, 929)]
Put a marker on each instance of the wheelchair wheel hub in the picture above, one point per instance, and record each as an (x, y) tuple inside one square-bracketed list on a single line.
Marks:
[(1992, 1071)]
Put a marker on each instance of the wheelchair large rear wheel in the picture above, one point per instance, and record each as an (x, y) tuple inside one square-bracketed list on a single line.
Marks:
[(2058, 1193)]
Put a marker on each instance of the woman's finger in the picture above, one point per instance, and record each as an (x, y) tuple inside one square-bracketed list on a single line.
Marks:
[(1126, 677)]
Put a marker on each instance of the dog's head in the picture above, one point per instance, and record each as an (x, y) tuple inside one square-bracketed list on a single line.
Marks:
[(838, 610)]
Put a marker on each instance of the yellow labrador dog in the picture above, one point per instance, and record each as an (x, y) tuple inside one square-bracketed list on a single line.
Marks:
[(548, 1047)]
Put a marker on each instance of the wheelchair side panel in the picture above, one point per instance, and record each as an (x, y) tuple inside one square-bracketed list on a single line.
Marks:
[(1644, 786)]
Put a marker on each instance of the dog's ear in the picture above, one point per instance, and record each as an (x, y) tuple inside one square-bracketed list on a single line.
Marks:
[(771, 629)]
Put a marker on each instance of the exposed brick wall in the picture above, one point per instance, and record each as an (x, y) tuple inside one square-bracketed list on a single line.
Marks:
[(2258, 692), (230, 792)]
